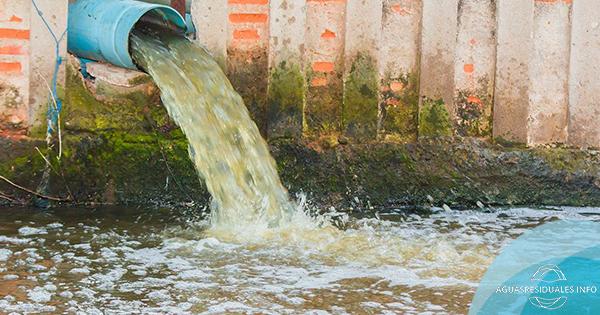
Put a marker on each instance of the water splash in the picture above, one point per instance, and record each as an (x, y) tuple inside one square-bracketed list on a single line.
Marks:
[(129, 260), (225, 144)]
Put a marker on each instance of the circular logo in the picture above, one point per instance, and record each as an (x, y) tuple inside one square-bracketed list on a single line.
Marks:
[(552, 269)]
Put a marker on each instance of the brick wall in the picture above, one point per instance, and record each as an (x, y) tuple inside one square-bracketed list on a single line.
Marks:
[(27, 58), (517, 70)]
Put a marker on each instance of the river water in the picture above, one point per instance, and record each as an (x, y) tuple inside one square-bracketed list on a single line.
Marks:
[(127, 261)]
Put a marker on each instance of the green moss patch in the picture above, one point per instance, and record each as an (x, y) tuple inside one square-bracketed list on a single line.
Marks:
[(399, 107), (434, 119), (130, 112), (323, 109), (286, 100), (361, 98), (473, 114)]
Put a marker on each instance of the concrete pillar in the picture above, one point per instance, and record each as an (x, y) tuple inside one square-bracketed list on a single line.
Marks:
[(438, 44), (584, 83), (43, 55), (325, 37), (247, 53), (548, 72), (210, 19), (399, 68), (15, 46), (361, 75), (475, 67), (514, 47), (287, 80)]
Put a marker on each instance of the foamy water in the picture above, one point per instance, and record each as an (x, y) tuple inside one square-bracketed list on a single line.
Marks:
[(126, 261)]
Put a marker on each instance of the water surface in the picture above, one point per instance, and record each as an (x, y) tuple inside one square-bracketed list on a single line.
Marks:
[(127, 261)]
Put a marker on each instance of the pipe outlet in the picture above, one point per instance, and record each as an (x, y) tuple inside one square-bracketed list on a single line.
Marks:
[(100, 29)]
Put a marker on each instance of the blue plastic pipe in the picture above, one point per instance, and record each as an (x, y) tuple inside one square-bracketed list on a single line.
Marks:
[(100, 29)]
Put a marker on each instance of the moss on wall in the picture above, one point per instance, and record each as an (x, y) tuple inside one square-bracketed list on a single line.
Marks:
[(130, 111), (287, 91), (399, 107), (323, 109), (126, 151), (121, 151), (434, 119), (473, 114), (153, 169), (361, 98)]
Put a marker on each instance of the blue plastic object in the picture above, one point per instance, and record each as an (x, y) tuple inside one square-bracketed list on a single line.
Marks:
[(100, 29)]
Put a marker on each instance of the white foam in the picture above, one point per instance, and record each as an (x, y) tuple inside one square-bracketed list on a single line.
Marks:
[(26, 230), (181, 271), (5, 254), (160, 295), (39, 295), (54, 225), (81, 271), (10, 277), (13, 240)]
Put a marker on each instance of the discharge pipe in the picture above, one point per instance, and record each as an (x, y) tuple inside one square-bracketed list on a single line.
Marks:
[(100, 29)]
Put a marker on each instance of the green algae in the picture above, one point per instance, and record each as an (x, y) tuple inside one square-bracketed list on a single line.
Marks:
[(140, 79), (287, 91), (121, 111), (323, 109), (400, 108), (565, 159), (116, 150), (361, 98), (434, 119), (473, 114)]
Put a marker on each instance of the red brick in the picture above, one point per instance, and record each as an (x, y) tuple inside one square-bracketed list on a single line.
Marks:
[(469, 68), (9, 33), (323, 66), (10, 67), (248, 18), (12, 50), (319, 82), (246, 34), (327, 34)]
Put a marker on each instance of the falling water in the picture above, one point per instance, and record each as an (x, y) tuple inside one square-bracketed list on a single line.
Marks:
[(225, 144)]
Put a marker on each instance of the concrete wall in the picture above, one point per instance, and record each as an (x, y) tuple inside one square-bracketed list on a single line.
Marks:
[(549, 72), (513, 48), (584, 84), (517, 70)]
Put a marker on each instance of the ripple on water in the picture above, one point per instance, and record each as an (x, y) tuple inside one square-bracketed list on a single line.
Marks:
[(408, 264)]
